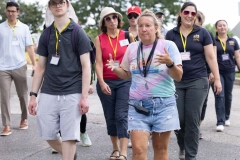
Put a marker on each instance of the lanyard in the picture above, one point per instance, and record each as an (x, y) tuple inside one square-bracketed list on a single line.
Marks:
[(135, 39), (184, 42), (56, 31), (114, 49), (146, 66), (224, 46), (13, 29)]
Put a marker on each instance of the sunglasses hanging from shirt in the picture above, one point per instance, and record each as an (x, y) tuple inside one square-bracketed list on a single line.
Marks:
[(145, 66)]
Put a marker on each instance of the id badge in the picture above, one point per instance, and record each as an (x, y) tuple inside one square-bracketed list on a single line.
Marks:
[(55, 60), (116, 64), (225, 57), (15, 42), (124, 42), (186, 56)]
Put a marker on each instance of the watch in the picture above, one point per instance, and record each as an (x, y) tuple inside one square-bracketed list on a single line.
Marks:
[(33, 94), (170, 65)]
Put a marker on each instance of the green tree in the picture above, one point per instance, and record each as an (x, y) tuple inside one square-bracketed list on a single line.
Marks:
[(88, 11), (30, 14), (211, 28)]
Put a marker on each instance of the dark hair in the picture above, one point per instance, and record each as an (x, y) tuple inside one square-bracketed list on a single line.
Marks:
[(185, 5), (104, 28), (54, 0), (12, 4), (217, 24)]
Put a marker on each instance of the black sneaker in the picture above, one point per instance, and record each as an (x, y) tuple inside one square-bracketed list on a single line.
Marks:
[(181, 155), (75, 156)]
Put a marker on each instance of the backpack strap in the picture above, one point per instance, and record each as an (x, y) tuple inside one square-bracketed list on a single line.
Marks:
[(127, 36)]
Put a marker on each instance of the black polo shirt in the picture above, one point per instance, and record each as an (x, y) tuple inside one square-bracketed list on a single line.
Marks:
[(214, 44), (196, 40), (227, 66), (66, 77), (135, 38)]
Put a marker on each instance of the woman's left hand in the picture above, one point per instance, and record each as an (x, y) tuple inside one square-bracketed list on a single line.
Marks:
[(163, 58)]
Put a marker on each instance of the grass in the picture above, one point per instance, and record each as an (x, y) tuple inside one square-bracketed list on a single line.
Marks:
[(237, 75)]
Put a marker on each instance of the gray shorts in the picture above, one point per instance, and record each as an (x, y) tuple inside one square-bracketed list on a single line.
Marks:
[(59, 113)]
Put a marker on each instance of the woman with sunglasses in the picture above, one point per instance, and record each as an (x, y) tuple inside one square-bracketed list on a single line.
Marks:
[(132, 15), (194, 44), (227, 49), (112, 91), (152, 64)]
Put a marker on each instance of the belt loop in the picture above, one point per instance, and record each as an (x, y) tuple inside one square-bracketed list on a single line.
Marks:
[(58, 98), (64, 97)]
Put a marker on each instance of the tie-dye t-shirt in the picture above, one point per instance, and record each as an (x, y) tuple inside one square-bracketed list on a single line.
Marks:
[(158, 82)]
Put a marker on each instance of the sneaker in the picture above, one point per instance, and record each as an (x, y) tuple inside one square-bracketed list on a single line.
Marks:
[(86, 142), (227, 123), (54, 151), (75, 156), (129, 144), (181, 155), (220, 128), (200, 136), (6, 131)]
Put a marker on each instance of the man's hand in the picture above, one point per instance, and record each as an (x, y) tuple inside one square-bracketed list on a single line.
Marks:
[(32, 106), (83, 105)]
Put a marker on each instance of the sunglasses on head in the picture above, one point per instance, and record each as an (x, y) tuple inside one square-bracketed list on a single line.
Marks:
[(131, 15), (188, 12), (108, 19)]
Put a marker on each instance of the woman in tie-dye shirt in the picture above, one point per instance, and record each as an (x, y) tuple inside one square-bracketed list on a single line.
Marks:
[(153, 64)]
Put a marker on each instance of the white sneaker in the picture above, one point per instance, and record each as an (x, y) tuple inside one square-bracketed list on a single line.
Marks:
[(227, 123), (86, 142), (220, 128), (129, 143)]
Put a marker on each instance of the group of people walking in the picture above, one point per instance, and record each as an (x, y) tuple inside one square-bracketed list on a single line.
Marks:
[(150, 81)]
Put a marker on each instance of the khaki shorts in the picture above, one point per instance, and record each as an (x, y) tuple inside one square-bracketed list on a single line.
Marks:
[(59, 113)]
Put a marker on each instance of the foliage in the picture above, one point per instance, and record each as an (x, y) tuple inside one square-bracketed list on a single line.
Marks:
[(88, 11), (30, 14), (237, 75), (212, 29)]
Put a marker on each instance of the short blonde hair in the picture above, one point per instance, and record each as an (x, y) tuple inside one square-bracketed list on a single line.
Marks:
[(200, 17), (149, 13)]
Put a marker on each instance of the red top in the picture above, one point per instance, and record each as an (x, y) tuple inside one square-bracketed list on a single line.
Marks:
[(107, 49)]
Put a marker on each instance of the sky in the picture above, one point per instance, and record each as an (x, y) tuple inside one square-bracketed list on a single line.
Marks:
[(213, 9)]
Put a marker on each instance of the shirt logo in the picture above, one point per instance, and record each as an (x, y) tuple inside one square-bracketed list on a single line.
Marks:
[(231, 43), (196, 37)]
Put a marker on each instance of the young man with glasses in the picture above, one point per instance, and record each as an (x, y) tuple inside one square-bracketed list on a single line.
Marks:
[(132, 14), (160, 16), (14, 38), (64, 93)]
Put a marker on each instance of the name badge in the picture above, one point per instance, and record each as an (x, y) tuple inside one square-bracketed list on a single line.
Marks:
[(116, 64), (124, 42), (55, 60), (225, 57), (186, 56), (15, 43)]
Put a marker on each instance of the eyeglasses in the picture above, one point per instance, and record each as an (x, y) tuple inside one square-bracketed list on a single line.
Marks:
[(54, 4), (159, 16), (108, 19), (188, 12), (130, 16), (9, 11)]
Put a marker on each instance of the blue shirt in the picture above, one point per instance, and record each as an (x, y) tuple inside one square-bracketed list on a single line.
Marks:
[(12, 46), (196, 40), (227, 66)]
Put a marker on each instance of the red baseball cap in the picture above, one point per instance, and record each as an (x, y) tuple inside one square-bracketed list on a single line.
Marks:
[(134, 9)]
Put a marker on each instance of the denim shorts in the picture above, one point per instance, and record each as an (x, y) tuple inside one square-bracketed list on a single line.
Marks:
[(163, 115)]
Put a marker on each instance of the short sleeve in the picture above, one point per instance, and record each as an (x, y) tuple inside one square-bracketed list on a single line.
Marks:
[(29, 40), (236, 46), (213, 39), (206, 37), (174, 53), (125, 61), (42, 50), (84, 45)]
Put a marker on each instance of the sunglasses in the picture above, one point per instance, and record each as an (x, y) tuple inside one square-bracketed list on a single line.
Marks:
[(130, 16), (188, 12), (108, 19)]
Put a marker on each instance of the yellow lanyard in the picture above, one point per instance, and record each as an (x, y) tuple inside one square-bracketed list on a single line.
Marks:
[(135, 40), (13, 29), (114, 49), (223, 45), (184, 42), (59, 33)]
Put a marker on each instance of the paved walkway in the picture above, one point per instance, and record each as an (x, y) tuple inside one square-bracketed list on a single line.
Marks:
[(27, 145)]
